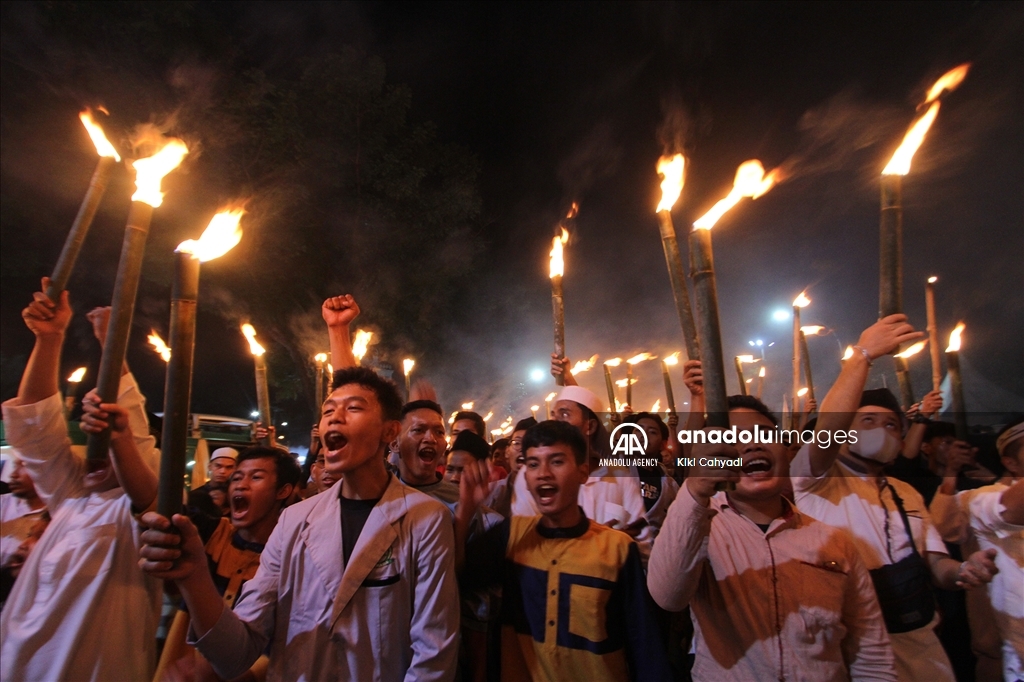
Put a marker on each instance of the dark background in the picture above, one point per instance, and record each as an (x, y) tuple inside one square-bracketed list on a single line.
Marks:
[(418, 156)]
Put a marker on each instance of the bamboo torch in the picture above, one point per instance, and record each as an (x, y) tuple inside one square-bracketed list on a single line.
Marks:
[(666, 362), (750, 182), (890, 286), (903, 373), (608, 383), (671, 168), (556, 270), (933, 332), (799, 302), (149, 173), (956, 382), (222, 234), (407, 366), (809, 330), (262, 389), (738, 361), (760, 382), (547, 404), (87, 210), (319, 359)]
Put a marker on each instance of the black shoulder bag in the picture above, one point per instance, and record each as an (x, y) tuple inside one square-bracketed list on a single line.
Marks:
[(904, 588)]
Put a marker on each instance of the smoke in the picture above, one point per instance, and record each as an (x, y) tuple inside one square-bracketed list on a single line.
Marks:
[(594, 158)]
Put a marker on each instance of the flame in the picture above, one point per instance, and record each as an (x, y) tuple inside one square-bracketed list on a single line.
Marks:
[(573, 210), (750, 182), (656, 407), (637, 359), (467, 406), (255, 348), (812, 329), (900, 162), (451, 419), (761, 372), (618, 405), (103, 146), (550, 397), (330, 369), (488, 416), (150, 171), (671, 359), (913, 350), (933, 280), (557, 265), (583, 365), (802, 392), (495, 432), (801, 301), (77, 375), (534, 408), (849, 353), (320, 357), (954, 338), (748, 381), (614, 362), (407, 365), (162, 349), (671, 169), (948, 81), (746, 359), (621, 383), (361, 343), (219, 237)]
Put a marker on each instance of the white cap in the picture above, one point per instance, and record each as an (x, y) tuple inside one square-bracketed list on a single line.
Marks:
[(580, 395), (230, 453)]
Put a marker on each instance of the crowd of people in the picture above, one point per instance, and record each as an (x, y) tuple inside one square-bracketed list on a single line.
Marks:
[(407, 550)]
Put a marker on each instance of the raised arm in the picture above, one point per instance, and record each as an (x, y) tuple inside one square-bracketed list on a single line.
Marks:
[(560, 368), (133, 474), (843, 399), (338, 313), (48, 320), (928, 407)]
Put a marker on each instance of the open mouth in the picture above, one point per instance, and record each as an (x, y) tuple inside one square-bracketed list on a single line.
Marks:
[(758, 467), (546, 493), (427, 455), (334, 441), (239, 505)]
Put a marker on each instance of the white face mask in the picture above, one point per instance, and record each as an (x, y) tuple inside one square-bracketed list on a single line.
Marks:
[(876, 444)]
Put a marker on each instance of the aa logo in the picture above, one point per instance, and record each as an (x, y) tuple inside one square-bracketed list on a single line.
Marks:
[(629, 439)]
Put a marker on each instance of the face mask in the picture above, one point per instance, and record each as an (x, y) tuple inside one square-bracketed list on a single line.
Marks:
[(876, 445)]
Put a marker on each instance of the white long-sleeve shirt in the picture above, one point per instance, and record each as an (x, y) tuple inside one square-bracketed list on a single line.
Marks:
[(975, 517), (792, 603), (81, 608), (16, 520)]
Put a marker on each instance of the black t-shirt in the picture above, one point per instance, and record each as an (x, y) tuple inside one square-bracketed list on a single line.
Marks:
[(353, 517)]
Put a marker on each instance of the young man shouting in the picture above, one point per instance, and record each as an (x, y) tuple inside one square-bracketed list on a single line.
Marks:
[(356, 583), (800, 603), (574, 601)]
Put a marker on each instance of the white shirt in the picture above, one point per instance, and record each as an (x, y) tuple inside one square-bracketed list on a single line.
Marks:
[(792, 603), (16, 519), (978, 515), (81, 608), (864, 506)]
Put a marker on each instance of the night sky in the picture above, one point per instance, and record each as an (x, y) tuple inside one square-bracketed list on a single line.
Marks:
[(575, 102)]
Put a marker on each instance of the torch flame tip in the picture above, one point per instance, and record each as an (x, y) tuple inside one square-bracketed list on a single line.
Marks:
[(162, 349), (933, 279), (77, 375), (671, 168), (614, 362), (801, 301), (220, 236), (103, 146), (151, 170), (750, 181), (638, 358), (250, 334), (954, 338), (320, 357), (672, 359), (913, 350)]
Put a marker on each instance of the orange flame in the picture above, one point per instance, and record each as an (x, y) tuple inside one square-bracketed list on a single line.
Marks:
[(150, 171), (671, 359), (407, 365), (812, 329), (761, 373), (254, 347), (361, 343), (656, 407), (912, 350), (77, 375), (557, 265), (614, 362), (467, 406), (641, 357), (802, 392), (162, 349), (954, 338), (103, 146), (573, 210), (622, 383), (849, 353), (219, 237), (747, 359), (320, 357), (550, 397), (487, 417), (801, 301), (750, 182), (899, 164), (671, 169), (933, 280), (583, 365)]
